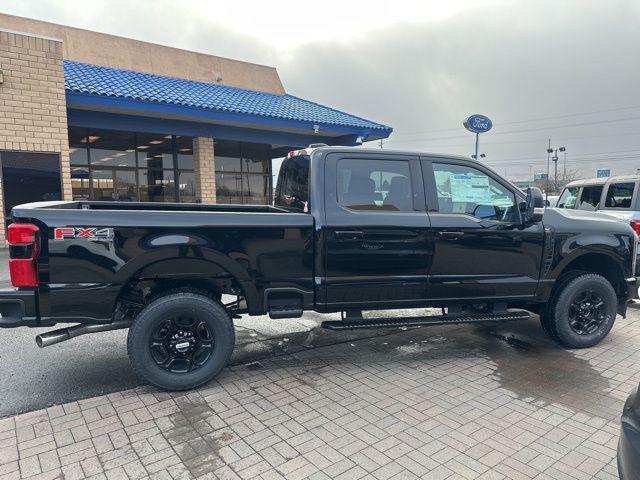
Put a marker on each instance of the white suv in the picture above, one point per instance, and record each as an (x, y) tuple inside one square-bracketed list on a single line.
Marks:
[(615, 196)]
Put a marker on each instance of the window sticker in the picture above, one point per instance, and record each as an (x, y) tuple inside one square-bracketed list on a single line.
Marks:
[(470, 188)]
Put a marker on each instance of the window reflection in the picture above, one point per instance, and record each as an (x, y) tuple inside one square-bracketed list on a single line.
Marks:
[(127, 166), (242, 172)]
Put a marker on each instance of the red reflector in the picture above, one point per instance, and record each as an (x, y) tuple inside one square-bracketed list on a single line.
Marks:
[(24, 272), (22, 234), (635, 224)]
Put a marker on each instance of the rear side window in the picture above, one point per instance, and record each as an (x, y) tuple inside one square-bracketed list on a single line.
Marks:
[(568, 197), (383, 185), (620, 195), (590, 198), (292, 189)]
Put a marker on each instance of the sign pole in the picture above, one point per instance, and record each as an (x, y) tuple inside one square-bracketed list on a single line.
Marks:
[(477, 124), (477, 140)]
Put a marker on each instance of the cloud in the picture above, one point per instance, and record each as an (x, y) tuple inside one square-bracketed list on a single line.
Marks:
[(423, 70)]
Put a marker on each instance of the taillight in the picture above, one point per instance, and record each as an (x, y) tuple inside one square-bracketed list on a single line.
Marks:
[(22, 234), (25, 240), (635, 224)]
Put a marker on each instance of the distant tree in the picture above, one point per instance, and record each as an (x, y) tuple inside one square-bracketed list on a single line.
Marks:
[(563, 179)]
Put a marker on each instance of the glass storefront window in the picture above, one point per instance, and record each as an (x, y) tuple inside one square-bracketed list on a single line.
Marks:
[(184, 146), (243, 172), (187, 186), (227, 155), (126, 166), (80, 183), (111, 148), (102, 184), (157, 185), (78, 152)]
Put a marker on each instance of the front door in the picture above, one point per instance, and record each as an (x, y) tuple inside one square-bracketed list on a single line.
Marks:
[(375, 234), (482, 249)]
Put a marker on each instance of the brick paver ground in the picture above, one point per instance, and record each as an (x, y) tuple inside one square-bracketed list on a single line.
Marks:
[(465, 402)]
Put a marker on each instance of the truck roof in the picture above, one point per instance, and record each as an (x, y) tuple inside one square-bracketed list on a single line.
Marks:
[(603, 180), (309, 150)]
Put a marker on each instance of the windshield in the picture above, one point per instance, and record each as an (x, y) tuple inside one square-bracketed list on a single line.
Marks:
[(568, 198), (292, 189)]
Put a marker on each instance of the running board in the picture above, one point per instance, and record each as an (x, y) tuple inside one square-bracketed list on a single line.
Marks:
[(356, 323)]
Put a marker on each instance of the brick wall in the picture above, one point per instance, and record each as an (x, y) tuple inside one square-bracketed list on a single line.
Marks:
[(205, 169), (33, 112)]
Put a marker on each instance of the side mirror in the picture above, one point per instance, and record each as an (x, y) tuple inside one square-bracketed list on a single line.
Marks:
[(535, 205), (485, 211)]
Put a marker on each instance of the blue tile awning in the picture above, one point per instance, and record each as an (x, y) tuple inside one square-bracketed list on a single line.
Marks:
[(135, 93)]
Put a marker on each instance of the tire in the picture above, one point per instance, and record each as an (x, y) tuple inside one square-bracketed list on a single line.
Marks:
[(158, 339), (581, 311)]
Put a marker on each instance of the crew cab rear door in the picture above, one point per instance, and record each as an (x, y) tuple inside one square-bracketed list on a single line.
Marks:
[(375, 237), (482, 249)]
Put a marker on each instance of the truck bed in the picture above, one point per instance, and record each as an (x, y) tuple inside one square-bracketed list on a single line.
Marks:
[(147, 206)]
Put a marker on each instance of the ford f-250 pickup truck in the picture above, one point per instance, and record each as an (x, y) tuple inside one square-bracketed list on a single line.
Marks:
[(350, 230)]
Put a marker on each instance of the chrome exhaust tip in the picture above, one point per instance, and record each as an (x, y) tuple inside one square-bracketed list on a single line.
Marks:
[(51, 338)]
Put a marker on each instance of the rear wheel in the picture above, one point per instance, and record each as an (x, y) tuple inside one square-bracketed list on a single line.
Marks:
[(180, 341), (581, 312)]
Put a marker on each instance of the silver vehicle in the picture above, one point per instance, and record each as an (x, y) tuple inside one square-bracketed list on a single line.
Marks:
[(616, 196)]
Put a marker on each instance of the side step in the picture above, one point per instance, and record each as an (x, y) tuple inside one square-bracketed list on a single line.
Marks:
[(286, 311), (356, 323)]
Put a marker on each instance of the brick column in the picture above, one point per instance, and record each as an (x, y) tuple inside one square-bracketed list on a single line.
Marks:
[(33, 109), (204, 165)]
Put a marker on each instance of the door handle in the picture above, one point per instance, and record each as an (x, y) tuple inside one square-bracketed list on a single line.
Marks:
[(450, 235), (349, 234)]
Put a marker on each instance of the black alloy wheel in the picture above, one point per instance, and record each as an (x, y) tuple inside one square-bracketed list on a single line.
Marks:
[(181, 344), (181, 340), (586, 312)]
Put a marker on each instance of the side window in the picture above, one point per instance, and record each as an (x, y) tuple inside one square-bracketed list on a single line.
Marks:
[(590, 198), (620, 195), (383, 185), (464, 189), (292, 189), (568, 197)]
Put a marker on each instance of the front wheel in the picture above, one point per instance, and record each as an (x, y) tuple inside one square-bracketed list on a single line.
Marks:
[(581, 312), (180, 341)]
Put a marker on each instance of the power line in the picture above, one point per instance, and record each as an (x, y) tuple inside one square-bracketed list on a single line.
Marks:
[(517, 122), (539, 140), (539, 129)]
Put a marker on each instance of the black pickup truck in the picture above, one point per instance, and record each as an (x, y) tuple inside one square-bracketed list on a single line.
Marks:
[(350, 230)]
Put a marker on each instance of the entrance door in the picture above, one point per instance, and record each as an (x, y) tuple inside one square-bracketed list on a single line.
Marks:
[(375, 235), (482, 249), (29, 177)]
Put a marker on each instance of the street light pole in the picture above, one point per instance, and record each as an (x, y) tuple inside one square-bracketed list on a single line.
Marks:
[(555, 174), (564, 168), (548, 157)]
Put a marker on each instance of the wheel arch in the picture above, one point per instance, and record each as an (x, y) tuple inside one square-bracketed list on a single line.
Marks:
[(204, 269), (601, 262)]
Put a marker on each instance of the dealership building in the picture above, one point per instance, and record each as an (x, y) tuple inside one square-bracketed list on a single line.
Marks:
[(90, 116)]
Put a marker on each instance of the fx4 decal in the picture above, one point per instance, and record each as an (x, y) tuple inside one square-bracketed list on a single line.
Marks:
[(90, 233)]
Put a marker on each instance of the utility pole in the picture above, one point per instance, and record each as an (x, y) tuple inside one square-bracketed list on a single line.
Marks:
[(564, 168), (548, 165)]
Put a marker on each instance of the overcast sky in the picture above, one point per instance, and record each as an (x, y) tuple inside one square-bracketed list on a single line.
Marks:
[(565, 70)]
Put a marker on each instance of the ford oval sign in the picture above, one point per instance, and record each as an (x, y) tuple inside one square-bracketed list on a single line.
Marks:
[(478, 123)]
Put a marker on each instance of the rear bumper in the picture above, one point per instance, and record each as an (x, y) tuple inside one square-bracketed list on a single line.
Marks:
[(18, 308)]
